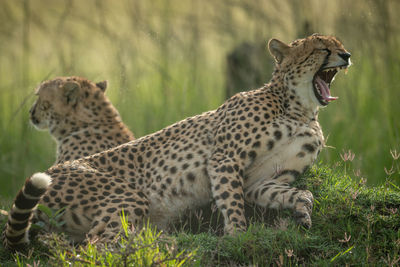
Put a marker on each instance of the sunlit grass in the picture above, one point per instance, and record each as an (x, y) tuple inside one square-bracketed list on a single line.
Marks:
[(353, 224)]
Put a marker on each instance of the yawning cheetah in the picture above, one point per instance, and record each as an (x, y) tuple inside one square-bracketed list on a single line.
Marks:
[(249, 149)]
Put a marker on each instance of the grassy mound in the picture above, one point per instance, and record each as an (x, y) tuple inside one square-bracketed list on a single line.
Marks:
[(352, 224)]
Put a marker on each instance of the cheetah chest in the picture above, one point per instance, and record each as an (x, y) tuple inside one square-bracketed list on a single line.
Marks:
[(286, 157)]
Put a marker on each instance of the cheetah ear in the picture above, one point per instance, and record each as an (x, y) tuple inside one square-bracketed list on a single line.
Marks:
[(102, 85), (71, 93), (278, 49)]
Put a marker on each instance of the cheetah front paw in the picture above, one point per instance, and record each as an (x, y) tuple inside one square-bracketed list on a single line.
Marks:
[(233, 230), (303, 208)]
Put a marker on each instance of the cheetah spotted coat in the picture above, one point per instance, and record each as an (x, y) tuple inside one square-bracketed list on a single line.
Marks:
[(250, 149)]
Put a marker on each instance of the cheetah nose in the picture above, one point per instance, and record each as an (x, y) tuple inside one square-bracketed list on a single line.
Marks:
[(345, 56), (34, 120)]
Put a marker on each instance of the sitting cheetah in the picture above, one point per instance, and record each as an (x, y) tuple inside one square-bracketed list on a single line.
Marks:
[(249, 149), (79, 117)]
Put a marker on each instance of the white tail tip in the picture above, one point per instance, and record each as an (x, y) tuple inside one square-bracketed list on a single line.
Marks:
[(41, 180)]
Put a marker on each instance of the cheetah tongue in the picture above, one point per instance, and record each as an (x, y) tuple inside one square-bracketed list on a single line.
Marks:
[(324, 89)]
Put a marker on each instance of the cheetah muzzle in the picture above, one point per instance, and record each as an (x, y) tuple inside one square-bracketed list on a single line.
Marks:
[(324, 77)]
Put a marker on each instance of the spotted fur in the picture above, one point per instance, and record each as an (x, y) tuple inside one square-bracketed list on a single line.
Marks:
[(79, 116), (250, 149), (83, 122)]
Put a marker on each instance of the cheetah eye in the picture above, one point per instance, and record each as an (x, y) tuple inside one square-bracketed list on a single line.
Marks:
[(324, 49), (45, 105)]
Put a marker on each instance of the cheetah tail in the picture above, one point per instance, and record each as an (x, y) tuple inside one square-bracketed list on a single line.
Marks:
[(15, 235)]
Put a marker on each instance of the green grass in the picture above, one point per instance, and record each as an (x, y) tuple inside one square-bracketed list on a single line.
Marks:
[(166, 60), (353, 224)]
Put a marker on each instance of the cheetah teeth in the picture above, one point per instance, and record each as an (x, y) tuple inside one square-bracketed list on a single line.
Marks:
[(335, 69)]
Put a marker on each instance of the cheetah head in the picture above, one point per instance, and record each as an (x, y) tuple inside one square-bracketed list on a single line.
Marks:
[(70, 102), (309, 66)]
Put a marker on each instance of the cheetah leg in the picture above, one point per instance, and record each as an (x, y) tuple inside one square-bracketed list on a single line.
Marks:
[(227, 190), (272, 194), (107, 226)]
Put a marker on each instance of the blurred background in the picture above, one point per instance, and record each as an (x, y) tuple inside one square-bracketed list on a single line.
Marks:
[(166, 60)]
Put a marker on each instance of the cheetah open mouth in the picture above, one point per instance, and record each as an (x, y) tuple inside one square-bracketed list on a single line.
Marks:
[(322, 82)]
